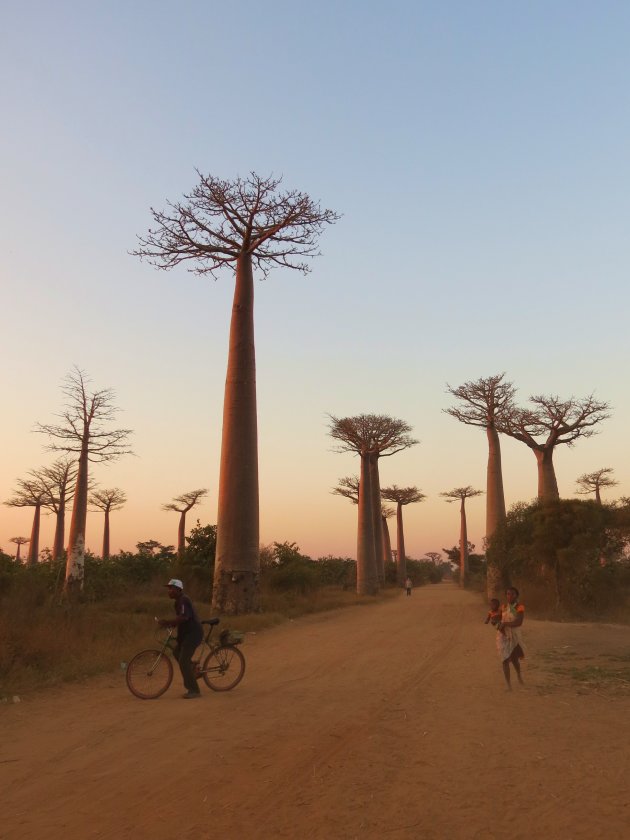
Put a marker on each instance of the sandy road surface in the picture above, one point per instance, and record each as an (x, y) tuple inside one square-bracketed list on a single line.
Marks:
[(389, 721)]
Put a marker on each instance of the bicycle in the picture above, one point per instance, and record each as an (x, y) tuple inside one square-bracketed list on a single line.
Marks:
[(150, 672)]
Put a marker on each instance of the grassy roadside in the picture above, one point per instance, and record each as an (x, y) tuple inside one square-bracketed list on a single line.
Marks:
[(49, 644)]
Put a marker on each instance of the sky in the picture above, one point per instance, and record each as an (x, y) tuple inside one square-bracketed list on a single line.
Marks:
[(478, 154)]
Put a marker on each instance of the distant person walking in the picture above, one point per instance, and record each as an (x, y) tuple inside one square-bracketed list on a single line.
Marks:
[(509, 640), (408, 585)]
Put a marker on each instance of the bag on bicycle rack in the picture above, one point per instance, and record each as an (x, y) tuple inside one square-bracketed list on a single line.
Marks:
[(231, 637)]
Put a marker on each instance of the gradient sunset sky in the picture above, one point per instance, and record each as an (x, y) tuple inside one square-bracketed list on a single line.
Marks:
[(479, 154)]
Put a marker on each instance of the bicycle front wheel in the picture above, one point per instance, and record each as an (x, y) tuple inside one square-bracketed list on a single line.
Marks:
[(149, 674), (224, 668)]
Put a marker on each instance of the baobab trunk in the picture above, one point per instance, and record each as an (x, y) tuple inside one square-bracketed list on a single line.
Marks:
[(377, 518), (547, 484), (367, 574), (463, 546), (60, 528), (495, 507), (105, 554), (33, 548), (181, 536), (401, 560), (237, 552), (75, 562), (387, 543)]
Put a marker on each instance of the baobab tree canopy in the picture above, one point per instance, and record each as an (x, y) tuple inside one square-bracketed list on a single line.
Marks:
[(593, 482), (371, 434), (484, 400), (220, 221), (557, 421)]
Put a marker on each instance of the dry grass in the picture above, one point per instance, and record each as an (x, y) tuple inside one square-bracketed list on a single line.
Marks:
[(51, 643)]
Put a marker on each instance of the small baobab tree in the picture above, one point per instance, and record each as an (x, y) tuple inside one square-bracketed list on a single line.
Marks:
[(460, 494), (182, 504), (60, 481), (434, 557), (85, 433), (371, 436), (557, 421), (107, 501), (19, 542), (241, 225), (593, 483), (402, 496), (30, 492), (483, 403)]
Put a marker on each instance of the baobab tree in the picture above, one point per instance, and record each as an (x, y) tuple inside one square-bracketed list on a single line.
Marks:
[(593, 482), (386, 513), (461, 494), (182, 504), (84, 433), (242, 225), (434, 557), (483, 403), (558, 421), (30, 493), (107, 501), (59, 480), (402, 496), (371, 436), (19, 541), (348, 487)]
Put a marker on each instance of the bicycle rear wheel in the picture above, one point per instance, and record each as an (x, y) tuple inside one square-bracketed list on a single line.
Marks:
[(224, 668), (149, 674)]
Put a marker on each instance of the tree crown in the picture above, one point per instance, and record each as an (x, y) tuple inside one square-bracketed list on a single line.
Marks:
[(402, 495), (461, 493), (184, 503), (485, 400), (371, 434), (220, 221), (561, 421)]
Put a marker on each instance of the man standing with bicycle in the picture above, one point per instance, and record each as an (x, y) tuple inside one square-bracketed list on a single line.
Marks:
[(189, 635)]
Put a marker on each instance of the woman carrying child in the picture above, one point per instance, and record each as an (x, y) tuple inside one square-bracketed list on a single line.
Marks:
[(509, 642)]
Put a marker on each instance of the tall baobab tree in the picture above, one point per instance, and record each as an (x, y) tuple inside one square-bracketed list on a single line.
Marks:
[(402, 496), (84, 432), (557, 421), (371, 436), (30, 493), (242, 224), (349, 488), (483, 403), (461, 494), (59, 480), (19, 541), (593, 482), (182, 504), (107, 501)]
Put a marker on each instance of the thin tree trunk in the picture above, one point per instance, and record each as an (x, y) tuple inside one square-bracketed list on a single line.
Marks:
[(237, 555), (547, 484), (377, 518), (181, 536), (598, 496), (60, 527), (367, 575), (495, 507), (105, 554), (463, 546), (33, 548), (401, 560), (17, 554), (75, 561), (387, 543)]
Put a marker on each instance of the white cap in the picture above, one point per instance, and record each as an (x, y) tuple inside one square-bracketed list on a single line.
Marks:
[(175, 582)]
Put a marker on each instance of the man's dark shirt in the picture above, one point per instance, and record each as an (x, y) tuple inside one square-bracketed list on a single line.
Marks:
[(191, 627)]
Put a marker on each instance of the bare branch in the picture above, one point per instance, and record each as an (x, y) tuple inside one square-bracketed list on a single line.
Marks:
[(108, 500)]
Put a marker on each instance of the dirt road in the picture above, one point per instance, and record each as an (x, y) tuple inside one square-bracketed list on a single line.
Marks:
[(389, 721)]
